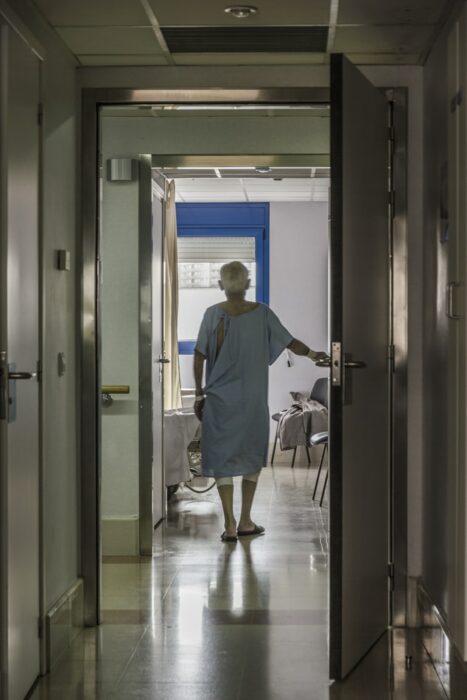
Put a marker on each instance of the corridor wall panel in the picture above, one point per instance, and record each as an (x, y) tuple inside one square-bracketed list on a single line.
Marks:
[(445, 363), (435, 497)]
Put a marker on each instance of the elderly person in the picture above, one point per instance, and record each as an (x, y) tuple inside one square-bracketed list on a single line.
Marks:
[(239, 339)]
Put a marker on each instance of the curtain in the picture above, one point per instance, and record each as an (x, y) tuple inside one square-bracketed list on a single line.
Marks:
[(172, 389)]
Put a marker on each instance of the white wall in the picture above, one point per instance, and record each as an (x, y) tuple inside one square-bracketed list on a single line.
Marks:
[(120, 347), (298, 294), (299, 291)]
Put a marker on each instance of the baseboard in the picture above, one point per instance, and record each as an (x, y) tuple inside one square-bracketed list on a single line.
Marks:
[(63, 622), (441, 648), (120, 536)]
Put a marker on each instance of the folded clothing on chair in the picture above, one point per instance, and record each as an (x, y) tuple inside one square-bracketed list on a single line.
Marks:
[(300, 421)]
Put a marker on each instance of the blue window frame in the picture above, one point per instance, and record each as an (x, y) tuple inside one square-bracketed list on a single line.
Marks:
[(229, 220)]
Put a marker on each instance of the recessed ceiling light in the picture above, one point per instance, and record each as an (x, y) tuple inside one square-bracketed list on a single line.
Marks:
[(241, 11)]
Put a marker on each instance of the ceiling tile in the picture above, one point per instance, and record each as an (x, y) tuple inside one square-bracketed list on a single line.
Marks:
[(390, 11), (388, 39), (121, 60), (78, 13), (110, 41), (270, 12), (246, 59)]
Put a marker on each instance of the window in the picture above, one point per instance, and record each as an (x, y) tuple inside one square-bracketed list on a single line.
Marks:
[(203, 249)]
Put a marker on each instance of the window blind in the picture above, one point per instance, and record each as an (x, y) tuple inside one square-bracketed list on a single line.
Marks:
[(214, 249)]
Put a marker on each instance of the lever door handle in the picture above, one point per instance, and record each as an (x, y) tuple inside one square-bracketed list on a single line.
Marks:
[(350, 364), (115, 389), (163, 361), (22, 375), (323, 363)]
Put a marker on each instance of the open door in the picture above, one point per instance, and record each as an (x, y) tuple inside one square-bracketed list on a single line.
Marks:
[(151, 246), (158, 357), (359, 405)]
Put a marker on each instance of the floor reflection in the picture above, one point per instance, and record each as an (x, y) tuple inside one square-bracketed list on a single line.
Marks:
[(216, 621)]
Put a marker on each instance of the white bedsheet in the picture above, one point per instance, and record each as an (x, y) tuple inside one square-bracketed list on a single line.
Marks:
[(179, 428)]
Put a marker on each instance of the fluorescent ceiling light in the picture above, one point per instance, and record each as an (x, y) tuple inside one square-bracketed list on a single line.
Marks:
[(233, 107)]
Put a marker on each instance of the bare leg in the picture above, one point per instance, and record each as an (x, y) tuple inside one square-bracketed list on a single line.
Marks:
[(248, 494), (226, 496)]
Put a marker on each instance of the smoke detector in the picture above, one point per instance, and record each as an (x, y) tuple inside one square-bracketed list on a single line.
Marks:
[(241, 11)]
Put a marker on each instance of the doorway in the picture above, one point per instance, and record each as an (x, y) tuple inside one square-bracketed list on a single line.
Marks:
[(281, 97)]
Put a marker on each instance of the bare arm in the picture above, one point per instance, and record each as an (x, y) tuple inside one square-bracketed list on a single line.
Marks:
[(198, 371), (298, 348)]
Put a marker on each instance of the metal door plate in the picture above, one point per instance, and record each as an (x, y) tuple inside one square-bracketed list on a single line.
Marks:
[(336, 364)]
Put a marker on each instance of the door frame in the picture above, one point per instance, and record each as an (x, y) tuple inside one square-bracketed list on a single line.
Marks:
[(92, 100)]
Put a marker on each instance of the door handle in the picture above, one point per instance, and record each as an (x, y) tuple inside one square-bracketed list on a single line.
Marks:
[(338, 364), (22, 375), (163, 361), (350, 364), (324, 363), (115, 389)]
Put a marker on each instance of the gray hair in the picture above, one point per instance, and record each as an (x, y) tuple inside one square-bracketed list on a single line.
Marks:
[(234, 276)]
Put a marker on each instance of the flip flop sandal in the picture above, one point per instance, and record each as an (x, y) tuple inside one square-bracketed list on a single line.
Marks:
[(228, 538), (258, 530)]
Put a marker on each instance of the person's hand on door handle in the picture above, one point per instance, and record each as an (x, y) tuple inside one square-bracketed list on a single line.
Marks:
[(318, 356)]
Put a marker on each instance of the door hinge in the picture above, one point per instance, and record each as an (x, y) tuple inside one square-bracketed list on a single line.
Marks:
[(391, 357), (391, 574), (40, 627), (392, 200), (40, 113), (99, 272)]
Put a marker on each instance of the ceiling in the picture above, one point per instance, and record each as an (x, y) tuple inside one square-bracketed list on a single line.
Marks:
[(247, 185), (184, 32)]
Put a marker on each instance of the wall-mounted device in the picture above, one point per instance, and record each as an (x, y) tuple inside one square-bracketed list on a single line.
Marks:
[(122, 169)]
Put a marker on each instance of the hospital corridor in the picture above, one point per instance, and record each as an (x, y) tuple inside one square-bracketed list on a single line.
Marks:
[(233, 350)]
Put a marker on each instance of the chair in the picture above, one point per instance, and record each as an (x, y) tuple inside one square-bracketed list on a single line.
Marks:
[(319, 393), (315, 440)]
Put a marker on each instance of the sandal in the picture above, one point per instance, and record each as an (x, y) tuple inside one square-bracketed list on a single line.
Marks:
[(228, 538), (257, 530)]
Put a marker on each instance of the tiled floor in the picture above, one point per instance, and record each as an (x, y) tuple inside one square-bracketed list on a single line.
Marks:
[(248, 621)]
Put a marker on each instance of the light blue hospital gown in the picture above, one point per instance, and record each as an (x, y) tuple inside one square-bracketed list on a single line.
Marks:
[(236, 415)]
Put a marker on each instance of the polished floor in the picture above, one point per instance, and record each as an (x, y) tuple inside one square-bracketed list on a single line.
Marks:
[(204, 620)]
